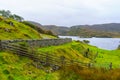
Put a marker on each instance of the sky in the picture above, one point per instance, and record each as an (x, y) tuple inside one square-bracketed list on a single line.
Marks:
[(65, 12)]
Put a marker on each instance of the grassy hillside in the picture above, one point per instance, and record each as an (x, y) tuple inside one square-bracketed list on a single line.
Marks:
[(12, 29), (38, 28), (14, 67), (71, 51), (77, 50), (56, 30)]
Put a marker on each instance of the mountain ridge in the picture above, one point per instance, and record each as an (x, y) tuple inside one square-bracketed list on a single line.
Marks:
[(97, 30)]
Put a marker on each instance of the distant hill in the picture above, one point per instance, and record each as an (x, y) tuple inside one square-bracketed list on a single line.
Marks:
[(97, 30), (104, 27), (58, 30), (35, 23)]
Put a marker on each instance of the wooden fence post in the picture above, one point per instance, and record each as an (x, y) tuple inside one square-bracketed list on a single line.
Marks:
[(1, 46), (110, 66), (89, 65), (71, 61), (47, 59), (62, 58)]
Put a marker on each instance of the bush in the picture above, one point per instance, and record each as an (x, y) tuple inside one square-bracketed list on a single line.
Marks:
[(86, 41), (119, 47), (6, 72), (10, 78)]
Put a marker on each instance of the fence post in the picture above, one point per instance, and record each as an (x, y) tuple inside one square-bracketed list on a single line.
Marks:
[(89, 65), (62, 58), (71, 61), (110, 65), (1, 46), (47, 59)]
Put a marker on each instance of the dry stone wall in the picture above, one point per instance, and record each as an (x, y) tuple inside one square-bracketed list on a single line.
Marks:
[(37, 43)]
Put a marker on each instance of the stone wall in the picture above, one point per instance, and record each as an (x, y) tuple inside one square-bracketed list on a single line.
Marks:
[(37, 43)]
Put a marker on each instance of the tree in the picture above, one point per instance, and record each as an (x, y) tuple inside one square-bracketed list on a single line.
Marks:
[(18, 18), (8, 14)]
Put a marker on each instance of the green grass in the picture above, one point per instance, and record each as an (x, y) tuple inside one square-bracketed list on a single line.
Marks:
[(20, 68), (46, 36), (17, 67), (18, 31), (106, 57), (68, 50), (76, 50), (13, 67)]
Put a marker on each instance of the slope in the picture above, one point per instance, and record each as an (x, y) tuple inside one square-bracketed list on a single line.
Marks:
[(77, 51), (12, 29), (14, 67), (38, 27), (97, 30)]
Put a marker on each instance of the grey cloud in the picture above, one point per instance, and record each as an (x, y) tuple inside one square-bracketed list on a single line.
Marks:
[(65, 12)]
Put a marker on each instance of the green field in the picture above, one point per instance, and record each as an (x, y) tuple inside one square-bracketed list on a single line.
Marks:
[(75, 50), (17, 67)]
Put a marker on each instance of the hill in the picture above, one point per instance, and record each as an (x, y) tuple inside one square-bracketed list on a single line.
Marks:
[(35, 23), (86, 62), (14, 67), (107, 27), (58, 30), (12, 29), (13, 26), (97, 30), (38, 27), (104, 27)]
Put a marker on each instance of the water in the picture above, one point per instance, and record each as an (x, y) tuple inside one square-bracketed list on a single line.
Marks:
[(103, 43)]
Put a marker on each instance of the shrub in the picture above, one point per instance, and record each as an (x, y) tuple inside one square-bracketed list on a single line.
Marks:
[(86, 41), (119, 47), (10, 78), (6, 72)]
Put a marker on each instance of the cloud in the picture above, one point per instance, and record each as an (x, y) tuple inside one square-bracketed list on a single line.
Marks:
[(65, 12)]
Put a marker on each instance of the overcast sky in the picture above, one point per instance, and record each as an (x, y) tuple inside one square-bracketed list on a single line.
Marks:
[(65, 12)]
